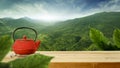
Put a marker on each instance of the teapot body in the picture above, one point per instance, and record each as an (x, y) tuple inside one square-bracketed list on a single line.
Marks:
[(23, 47)]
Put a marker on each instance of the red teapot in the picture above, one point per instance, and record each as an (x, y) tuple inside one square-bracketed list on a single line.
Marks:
[(25, 46)]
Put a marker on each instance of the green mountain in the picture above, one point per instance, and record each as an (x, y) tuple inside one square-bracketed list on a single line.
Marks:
[(66, 35), (22, 22), (9, 24), (105, 21), (74, 34), (4, 29)]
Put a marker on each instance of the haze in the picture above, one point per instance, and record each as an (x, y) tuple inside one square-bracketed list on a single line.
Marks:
[(56, 10)]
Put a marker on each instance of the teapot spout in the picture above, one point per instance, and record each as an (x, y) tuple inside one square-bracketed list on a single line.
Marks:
[(37, 43)]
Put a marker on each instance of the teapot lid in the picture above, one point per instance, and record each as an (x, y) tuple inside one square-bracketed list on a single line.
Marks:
[(25, 39)]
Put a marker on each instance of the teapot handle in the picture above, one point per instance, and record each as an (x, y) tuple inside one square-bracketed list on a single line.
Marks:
[(13, 35)]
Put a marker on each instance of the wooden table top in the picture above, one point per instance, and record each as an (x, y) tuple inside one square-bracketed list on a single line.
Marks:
[(76, 56)]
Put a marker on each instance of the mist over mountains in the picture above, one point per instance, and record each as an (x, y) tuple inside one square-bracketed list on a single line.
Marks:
[(65, 35)]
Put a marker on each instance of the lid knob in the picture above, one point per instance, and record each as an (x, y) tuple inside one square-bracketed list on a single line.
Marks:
[(24, 37)]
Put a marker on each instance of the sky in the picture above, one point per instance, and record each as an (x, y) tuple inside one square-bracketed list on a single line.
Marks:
[(56, 10)]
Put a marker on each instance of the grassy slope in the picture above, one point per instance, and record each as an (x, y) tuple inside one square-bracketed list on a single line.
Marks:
[(73, 34), (106, 22), (70, 34)]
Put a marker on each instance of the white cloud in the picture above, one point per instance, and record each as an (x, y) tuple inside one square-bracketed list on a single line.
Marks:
[(39, 11), (110, 6), (24, 10), (58, 11)]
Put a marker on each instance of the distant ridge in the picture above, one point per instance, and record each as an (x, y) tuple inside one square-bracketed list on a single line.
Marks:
[(68, 35)]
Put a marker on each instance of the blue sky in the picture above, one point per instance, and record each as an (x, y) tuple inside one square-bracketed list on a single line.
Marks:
[(56, 9)]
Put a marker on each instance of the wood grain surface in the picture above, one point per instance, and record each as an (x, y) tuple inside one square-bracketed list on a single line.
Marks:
[(79, 59)]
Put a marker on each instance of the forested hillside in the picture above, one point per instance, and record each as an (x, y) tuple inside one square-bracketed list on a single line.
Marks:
[(105, 21), (74, 34), (66, 35), (8, 25), (4, 29)]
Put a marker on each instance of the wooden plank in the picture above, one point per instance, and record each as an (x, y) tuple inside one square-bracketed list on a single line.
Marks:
[(77, 56), (70, 65), (79, 59), (108, 65)]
